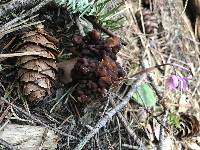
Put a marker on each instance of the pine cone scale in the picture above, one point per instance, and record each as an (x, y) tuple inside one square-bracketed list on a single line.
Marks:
[(40, 65), (31, 87), (189, 126), (150, 21)]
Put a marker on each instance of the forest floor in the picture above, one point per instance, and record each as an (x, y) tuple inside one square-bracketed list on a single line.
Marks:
[(162, 41)]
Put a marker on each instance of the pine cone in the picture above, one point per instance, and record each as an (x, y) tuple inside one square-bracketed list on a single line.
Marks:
[(197, 6), (146, 3), (198, 26), (149, 19), (37, 72), (189, 126)]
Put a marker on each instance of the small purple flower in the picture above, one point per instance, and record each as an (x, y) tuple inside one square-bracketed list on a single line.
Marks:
[(173, 82)]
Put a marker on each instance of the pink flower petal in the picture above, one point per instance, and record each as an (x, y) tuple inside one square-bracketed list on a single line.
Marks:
[(188, 77), (183, 84), (172, 82), (175, 80)]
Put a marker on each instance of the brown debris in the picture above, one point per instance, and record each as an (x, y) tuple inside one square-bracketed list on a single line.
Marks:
[(146, 2), (197, 5), (37, 73)]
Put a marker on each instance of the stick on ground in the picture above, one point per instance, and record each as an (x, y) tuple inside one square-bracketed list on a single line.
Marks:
[(6, 145), (102, 122), (18, 5), (37, 120), (128, 128)]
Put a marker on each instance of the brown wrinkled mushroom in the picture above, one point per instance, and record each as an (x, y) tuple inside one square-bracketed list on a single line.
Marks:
[(96, 70), (95, 35), (113, 42)]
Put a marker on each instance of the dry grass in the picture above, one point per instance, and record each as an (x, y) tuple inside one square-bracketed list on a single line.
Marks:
[(176, 44)]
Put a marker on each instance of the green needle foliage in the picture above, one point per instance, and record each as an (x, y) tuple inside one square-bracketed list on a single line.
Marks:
[(95, 8), (82, 7)]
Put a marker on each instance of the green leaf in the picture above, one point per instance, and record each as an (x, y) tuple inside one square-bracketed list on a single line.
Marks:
[(145, 96)]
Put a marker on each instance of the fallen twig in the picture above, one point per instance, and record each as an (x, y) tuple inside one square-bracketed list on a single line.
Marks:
[(80, 27), (94, 23), (128, 128), (6, 145), (126, 146), (6, 112), (105, 30), (44, 136), (37, 120), (20, 21), (162, 143), (147, 70), (20, 54), (102, 122), (18, 5), (155, 88)]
